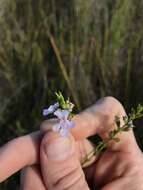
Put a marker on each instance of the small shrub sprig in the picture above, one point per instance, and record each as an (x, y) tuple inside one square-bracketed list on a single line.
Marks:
[(63, 109), (126, 125)]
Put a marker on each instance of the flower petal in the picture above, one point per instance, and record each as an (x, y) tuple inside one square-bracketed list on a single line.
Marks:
[(64, 132), (46, 112), (58, 113), (51, 109), (56, 127), (56, 105), (65, 113), (70, 124), (62, 114)]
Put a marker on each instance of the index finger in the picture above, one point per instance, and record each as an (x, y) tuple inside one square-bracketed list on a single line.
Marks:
[(100, 119), (19, 153)]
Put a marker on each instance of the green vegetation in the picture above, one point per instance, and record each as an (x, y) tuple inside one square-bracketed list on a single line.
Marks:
[(86, 49)]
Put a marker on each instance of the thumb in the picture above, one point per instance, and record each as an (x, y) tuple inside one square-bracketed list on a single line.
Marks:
[(60, 166)]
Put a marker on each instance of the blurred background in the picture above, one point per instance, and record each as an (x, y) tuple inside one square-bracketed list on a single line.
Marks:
[(86, 49)]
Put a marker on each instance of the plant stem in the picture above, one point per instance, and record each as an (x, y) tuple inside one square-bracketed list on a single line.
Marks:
[(135, 114)]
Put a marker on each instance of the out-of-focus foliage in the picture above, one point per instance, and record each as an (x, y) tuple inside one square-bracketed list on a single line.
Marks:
[(86, 49)]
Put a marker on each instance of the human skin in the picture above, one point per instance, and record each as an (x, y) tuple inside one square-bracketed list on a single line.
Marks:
[(49, 162)]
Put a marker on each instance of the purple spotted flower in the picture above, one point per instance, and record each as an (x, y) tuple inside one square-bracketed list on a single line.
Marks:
[(51, 109), (64, 123)]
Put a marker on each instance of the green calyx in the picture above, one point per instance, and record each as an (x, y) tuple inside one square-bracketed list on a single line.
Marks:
[(64, 104)]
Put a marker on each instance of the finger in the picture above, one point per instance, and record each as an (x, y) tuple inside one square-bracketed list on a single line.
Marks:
[(31, 179), (24, 151), (60, 166), (19, 153), (127, 182), (83, 146), (100, 118)]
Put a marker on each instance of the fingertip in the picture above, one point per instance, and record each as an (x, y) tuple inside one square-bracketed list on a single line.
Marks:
[(56, 147), (47, 125)]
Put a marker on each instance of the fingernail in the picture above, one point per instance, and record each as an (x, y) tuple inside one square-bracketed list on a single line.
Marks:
[(59, 149)]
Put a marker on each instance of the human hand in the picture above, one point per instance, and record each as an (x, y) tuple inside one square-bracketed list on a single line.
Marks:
[(118, 168)]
